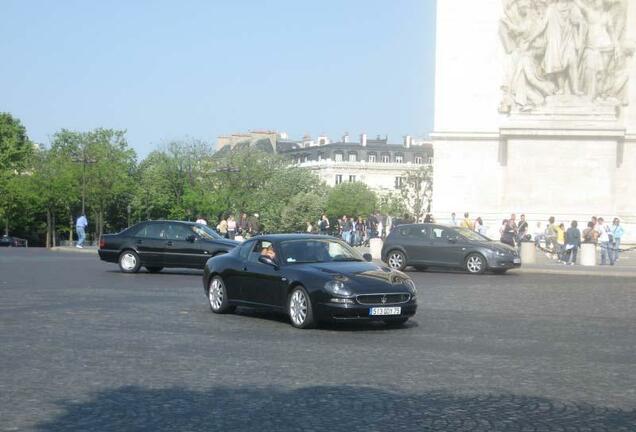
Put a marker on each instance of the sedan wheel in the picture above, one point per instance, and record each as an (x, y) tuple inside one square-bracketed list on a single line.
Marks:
[(396, 260), (475, 264), (217, 296), (299, 309), (129, 262)]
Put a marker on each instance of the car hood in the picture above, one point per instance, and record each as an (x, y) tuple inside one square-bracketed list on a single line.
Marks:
[(363, 277), (495, 245)]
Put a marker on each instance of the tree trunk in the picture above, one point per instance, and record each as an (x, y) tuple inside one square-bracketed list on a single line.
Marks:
[(6, 226), (53, 232), (101, 223), (48, 228), (70, 229)]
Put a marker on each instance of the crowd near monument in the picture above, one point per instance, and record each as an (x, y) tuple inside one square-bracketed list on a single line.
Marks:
[(535, 108)]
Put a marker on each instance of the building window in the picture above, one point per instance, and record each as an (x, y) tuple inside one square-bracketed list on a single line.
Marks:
[(338, 157), (353, 157), (352, 179), (399, 158), (386, 158), (338, 179), (399, 181), (372, 158), (419, 160)]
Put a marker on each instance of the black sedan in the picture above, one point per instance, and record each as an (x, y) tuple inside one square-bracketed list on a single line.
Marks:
[(311, 278), (9, 241), (159, 244), (430, 245)]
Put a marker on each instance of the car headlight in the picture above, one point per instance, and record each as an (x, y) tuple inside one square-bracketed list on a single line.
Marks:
[(337, 288), (411, 286), (500, 252)]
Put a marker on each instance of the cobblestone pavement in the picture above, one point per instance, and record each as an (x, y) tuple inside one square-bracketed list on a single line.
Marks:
[(86, 348)]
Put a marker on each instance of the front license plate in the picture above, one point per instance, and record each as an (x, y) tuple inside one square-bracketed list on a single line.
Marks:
[(517, 260), (385, 311)]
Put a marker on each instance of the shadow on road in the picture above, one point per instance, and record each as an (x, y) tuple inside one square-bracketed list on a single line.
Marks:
[(325, 408)]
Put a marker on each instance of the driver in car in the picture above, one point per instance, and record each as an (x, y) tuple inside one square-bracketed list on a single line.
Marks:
[(269, 252)]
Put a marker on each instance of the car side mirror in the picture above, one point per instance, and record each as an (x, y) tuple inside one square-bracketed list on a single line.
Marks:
[(191, 238), (268, 261), (367, 257)]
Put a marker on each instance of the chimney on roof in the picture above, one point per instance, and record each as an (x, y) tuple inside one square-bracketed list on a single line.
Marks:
[(363, 140), (345, 137), (408, 141)]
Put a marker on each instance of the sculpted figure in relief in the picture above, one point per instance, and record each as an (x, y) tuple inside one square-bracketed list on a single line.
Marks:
[(564, 47)]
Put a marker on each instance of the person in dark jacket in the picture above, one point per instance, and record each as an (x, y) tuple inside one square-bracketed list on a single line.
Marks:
[(508, 232), (572, 243)]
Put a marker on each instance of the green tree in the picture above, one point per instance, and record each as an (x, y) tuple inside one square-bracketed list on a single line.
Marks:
[(351, 199), (15, 152), (302, 208), (417, 190), (391, 204)]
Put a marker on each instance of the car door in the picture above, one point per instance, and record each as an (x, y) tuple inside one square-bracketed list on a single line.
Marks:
[(263, 282), (149, 243), (419, 248), (183, 248), (447, 246)]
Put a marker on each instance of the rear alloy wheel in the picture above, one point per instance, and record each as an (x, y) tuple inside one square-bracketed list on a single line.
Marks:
[(217, 296), (396, 260), (129, 262), (475, 264), (154, 269), (299, 309)]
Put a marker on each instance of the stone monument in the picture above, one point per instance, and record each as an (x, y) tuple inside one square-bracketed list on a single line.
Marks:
[(534, 111)]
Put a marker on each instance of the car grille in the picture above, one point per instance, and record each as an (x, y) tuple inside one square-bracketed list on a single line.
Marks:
[(377, 299)]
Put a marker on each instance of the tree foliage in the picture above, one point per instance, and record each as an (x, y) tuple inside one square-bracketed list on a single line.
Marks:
[(351, 199), (417, 190)]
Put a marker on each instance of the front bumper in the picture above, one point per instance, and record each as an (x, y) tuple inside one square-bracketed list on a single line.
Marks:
[(505, 262), (358, 312)]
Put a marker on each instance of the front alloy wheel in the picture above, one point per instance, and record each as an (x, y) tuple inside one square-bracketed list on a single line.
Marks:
[(299, 309), (217, 296), (396, 260), (475, 264)]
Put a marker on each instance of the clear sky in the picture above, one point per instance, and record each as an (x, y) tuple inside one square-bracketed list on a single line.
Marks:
[(202, 68)]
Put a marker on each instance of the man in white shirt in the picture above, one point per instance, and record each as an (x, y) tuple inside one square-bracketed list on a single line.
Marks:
[(201, 221), (604, 241)]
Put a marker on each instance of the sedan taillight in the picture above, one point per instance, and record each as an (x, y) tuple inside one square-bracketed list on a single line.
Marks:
[(102, 243)]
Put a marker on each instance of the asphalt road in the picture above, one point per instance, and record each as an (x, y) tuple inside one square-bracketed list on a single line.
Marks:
[(86, 348)]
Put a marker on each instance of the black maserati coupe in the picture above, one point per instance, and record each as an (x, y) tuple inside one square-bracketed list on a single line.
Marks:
[(159, 244), (309, 277)]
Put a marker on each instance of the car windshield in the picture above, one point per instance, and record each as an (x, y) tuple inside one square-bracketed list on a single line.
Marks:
[(206, 232), (317, 251), (472, 235)]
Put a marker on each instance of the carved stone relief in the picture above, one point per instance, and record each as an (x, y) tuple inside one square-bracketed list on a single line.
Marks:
[(571, 52)]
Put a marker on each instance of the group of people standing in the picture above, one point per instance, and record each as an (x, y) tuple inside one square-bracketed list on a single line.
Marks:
[(246, 226), (355, 231)]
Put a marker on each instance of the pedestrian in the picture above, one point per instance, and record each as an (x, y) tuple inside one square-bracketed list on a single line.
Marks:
[(242, 224), (560, 242), (200, 220), (572, 243), (222, 228), (480, 227), (606, 240), (467, 223), (551, 235), (310, 227), (80, 228), (231, 227), (254, 225), (324, 226), (617, 233), (590, 235), (453, 220), (345, 228), (507, 233), (360, 231), (522, 228)]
